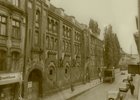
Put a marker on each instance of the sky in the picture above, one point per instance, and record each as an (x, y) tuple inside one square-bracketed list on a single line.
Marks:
[(119, 13)]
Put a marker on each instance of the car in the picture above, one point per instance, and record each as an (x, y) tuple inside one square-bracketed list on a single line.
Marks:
[(114, 95), (125, 81), (124, 87), (130, 78), (122, 73)]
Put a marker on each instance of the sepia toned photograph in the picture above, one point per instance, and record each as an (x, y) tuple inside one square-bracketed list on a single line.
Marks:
[(69, 49)]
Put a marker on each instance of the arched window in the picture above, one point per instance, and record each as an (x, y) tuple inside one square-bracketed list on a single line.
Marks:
[(37, 28), (37, 18)]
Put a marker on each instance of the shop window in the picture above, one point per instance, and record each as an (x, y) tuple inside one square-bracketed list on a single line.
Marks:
[(2, 60), (3, 22), (15, 29)]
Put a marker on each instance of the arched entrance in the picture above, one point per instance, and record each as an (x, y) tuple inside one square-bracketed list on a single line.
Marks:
[(35, 85)]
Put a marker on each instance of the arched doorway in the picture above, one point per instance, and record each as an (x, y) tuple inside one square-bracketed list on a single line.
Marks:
[(35, 85)]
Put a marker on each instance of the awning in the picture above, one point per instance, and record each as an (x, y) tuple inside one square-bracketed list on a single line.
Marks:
[(9, 78)]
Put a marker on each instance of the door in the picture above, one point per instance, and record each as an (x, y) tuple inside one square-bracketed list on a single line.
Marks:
[(33, 91)]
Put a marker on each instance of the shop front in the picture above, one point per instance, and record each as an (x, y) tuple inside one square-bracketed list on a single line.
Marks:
[(10, 86)]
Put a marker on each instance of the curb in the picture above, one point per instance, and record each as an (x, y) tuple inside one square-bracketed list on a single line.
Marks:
[(70, 98)]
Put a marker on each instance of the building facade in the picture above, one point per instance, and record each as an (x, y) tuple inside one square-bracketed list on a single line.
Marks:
[(12, 37), (93, 55), (55, 54)]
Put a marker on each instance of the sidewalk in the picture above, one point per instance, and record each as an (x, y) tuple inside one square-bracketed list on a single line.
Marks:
[(67, 94), (135, 96)]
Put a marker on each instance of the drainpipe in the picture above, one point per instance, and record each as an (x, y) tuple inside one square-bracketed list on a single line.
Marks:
[(25, 48)]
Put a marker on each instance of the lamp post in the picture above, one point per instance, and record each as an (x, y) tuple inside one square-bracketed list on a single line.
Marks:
[(139, 25)]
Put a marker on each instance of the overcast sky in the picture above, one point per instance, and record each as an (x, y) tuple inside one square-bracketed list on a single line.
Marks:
[(119, 13)]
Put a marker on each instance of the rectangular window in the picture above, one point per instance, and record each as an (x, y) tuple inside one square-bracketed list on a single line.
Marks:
[(15, 2), (15, 57), (15, 29), (3, 22)]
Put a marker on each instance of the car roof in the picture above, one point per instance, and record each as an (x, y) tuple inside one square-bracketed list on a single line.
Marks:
[(113, 91)]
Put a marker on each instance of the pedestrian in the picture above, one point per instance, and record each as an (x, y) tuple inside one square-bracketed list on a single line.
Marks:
[(100, 76), (72, 87), (132, 88)]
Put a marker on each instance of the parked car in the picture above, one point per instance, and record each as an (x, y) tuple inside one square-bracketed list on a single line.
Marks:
[(130, 78), (122, 73), (124, 87), (126, 81), (114, 95)]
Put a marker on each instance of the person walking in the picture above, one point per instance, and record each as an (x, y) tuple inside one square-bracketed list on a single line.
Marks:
[(100, 76), (132, 88)]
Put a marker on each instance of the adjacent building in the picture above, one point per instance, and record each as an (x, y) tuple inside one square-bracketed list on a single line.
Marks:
[(49, 49), (12, 37)]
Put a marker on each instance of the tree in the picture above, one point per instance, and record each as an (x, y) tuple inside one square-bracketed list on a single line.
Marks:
[(93, 25), (111, 53)]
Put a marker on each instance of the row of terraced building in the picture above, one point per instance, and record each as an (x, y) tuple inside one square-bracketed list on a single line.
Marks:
[(43, 50)]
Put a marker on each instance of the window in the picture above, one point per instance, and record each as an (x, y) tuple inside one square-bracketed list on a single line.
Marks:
[(29, 4), (3, 22), (63, 45), (15, 29), (15, 57), (37, 18), (36, 38), (52, 43), (2, 60), (47, 42), (14, 2), (56, 46), (66, 71), (50, 72), (64, 31)]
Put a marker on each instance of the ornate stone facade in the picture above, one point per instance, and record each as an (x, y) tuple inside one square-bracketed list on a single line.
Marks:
[(56, 50)]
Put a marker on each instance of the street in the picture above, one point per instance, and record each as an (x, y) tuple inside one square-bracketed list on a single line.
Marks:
[(100, 92)]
